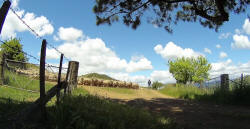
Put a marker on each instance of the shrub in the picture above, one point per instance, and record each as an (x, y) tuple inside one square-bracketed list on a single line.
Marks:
[(156, 85)]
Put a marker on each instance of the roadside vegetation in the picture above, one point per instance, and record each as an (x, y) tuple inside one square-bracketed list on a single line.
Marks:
[(236, 95)]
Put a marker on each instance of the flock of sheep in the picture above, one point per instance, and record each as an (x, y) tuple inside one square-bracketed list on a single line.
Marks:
[(81, 81)]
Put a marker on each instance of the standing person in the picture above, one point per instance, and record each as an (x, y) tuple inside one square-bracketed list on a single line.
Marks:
[(149, 83)]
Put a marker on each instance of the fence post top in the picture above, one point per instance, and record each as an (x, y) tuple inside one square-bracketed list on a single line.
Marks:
[(74, 62)]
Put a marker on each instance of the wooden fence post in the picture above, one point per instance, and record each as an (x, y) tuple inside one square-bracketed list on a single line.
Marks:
[(3, 13), (42, 79), (59, 80), (224, 78), (71, 77), (241, 81), (2, 61)]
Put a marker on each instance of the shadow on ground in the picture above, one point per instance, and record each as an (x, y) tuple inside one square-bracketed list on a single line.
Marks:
[(196, 115)]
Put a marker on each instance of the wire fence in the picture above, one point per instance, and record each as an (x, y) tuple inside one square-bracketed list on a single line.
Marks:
[(25, 75)]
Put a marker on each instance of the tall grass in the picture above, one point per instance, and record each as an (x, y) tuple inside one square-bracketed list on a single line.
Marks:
[(23, 81), (92, 112), (185, 91), (236, 95)]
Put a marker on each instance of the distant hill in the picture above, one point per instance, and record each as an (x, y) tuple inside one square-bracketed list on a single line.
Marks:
[(97, 76)]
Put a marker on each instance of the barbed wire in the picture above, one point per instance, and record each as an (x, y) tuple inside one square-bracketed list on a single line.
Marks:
[(36, 34)]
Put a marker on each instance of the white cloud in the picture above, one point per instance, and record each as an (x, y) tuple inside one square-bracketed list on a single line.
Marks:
[(52, 54), (14, 3), (246, 26), (224, 35), (223, 55), (227, 67), (162, 76), (139, 64), (13, 25), (172, 51), (69, 34), (241, 42), (207, 51), (238, 31), (218, 46), (140, 79), (95, 56)]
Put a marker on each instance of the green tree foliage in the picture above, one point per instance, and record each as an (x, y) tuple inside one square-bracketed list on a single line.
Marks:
[(13, 50), (189, 69), (156, 85), (210, 13)]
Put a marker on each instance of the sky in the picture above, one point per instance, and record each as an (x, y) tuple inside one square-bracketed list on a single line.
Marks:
[(118, 50)]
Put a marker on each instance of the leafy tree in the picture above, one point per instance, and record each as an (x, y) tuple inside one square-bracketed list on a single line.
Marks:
[(156, 85), (210, 13), (189, 69), (13, 50), (201, 67)]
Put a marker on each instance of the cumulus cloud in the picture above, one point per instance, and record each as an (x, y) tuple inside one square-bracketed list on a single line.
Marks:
[(218, 46), (241, 42), (139, 64), (207, 51), (238, 31), (69, 34), (162, 76), (224, 35), (52, 54), (172, 51), (246, 26), (223, 55), (95, 56), (227, 67), (13, 25)]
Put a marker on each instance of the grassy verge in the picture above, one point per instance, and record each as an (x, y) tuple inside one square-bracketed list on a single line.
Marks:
[(120, 90), (236, 95), (92, 112), (82, 111), (185, 92), (24, 82)]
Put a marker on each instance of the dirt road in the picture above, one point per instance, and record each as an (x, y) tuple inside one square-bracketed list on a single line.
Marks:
[(188, 114)]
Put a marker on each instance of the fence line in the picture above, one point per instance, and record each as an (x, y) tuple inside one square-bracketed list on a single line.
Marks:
[(45, 96)]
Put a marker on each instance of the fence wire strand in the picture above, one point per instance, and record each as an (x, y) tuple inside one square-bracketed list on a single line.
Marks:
[(36, 33)]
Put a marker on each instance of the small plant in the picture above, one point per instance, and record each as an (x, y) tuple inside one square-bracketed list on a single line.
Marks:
[(156, 85)]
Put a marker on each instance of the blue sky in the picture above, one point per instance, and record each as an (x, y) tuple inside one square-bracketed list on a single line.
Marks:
[(124, 53)]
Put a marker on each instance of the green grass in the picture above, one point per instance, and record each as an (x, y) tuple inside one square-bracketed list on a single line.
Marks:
[(22, 81), (120, 90), (79, 111), (92, 112), (184, 92), (82, 111), (234, 96)]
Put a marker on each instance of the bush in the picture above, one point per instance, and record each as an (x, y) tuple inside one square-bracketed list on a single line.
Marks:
[(156, 85)]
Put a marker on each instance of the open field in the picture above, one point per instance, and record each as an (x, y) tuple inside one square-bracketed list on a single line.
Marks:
[(124, 93)]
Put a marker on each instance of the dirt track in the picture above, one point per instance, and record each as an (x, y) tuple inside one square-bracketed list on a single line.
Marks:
[(188, 114)]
